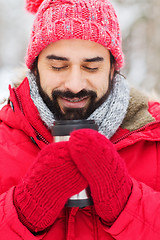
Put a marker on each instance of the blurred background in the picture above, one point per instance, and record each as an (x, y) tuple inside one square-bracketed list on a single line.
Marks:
[(140, 26)]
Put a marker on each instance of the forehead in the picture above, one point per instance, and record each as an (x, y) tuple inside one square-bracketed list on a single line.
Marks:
[(75, 49)]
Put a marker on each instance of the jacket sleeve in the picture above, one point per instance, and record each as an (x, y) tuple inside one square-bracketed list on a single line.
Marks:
[(14, 162), (141, 217), (10, 226)]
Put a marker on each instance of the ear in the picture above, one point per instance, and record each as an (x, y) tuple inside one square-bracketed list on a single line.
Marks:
[(35, 67), (112, 70), (35, 72)]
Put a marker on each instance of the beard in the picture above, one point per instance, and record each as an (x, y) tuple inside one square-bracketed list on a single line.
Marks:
[(72, 113)]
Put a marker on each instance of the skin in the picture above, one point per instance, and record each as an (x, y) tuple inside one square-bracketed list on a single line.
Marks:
[(74, 65)]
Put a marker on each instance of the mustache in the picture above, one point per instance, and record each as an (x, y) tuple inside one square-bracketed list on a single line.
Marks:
[(68, 94)]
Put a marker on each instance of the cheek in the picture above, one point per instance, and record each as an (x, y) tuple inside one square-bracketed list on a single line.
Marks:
[(49, 82), (101, 87), (102, 90)]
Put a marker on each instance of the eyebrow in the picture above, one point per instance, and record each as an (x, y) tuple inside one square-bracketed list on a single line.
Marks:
[(54, 57), (95, 59)]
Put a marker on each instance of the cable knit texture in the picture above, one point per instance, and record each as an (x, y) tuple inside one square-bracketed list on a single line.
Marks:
[(71, 19), (108, 116), (47, 186), (105, 171)]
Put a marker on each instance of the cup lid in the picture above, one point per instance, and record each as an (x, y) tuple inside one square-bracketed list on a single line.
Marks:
[(65, 127)]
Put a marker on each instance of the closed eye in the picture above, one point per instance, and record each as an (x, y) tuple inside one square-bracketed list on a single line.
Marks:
[(65, 67), (91, 69), (59, 68)]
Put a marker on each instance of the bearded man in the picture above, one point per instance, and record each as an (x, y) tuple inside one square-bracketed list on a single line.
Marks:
[(74, 59)]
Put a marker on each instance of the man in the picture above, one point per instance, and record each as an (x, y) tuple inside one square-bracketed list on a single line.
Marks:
[(74, 58)]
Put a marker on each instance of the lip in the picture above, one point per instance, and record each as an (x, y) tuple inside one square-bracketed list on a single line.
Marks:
[(73, 103)]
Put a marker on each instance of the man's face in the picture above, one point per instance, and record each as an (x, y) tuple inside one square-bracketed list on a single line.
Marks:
[(74, 77)]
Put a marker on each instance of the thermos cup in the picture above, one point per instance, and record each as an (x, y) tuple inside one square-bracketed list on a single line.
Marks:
[(61, 132)]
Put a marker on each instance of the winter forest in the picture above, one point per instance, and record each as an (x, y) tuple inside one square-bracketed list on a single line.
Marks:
[(140, 26)]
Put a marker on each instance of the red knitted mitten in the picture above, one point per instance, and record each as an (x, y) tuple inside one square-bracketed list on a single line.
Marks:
[(47, 186), (105, 171)]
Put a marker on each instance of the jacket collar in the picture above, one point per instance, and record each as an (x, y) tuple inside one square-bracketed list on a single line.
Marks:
[(23, 114), (141, 118)]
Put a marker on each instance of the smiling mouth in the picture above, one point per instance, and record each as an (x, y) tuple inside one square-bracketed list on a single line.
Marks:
[(73, 102)]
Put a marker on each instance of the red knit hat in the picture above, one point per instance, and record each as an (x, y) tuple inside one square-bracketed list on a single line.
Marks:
[(93, 20)]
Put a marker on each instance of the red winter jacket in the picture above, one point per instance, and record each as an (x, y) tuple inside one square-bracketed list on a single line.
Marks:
[(23, 135)]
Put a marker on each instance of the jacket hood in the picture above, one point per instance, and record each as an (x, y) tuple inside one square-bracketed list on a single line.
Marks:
[(140, 122)]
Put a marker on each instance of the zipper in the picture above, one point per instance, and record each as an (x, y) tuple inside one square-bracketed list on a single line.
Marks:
[(135, 131), (38, 135), (19, 101)]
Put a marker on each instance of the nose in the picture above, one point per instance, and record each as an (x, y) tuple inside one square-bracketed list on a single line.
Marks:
[(75, 81)]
